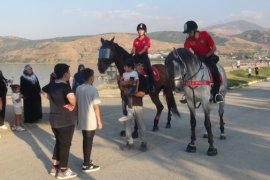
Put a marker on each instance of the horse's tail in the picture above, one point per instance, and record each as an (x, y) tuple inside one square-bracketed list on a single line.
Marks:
[(168, 92)]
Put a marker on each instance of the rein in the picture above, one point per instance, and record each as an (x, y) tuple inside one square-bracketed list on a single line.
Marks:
[(189, 82)]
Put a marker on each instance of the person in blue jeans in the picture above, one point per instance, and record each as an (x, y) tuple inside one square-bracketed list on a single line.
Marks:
[(129, 84)]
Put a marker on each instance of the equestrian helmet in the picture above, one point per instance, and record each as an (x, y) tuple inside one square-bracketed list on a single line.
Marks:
[(190, 26), (142, 26)]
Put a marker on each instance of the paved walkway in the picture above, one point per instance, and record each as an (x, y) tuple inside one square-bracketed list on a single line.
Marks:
[(245, 154)]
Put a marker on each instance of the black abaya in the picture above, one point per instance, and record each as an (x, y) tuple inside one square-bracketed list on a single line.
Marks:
[(31, 100)]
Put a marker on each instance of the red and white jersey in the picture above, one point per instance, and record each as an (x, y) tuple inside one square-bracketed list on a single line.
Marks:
[(201, 46), (139, 44)]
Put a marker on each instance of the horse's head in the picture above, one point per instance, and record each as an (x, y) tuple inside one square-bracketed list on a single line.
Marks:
[(106, 55), (176, 69)]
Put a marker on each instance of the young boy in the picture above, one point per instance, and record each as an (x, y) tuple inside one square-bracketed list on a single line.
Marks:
[(130, 86), (17, 103), (63, 117), (89, 116)]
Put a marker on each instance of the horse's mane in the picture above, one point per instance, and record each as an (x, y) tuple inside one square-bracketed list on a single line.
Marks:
[(185, 55), (122, 51)]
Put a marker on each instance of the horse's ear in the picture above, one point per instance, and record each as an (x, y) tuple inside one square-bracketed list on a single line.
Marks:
[(174, 51), (102, 40), (112, 39)]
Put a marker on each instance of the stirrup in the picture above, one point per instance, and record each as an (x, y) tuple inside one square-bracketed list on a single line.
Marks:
[(183, 99), (219, 98)]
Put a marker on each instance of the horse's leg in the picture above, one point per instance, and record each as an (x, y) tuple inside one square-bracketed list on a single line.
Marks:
[(124, 108), (135, 132), (155, 99), (212, 151), (169, 117), (221, 121), (170, 104), (191, 147)]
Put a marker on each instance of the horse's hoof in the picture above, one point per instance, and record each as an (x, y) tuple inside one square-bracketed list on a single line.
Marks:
[(222, 136), (212, 151), (205, 135), (155, 128), (123, 133), (168, 125), (191, 148), (135, 134)]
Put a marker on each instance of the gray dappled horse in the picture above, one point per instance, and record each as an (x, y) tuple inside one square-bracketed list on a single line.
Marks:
[(188, 72)]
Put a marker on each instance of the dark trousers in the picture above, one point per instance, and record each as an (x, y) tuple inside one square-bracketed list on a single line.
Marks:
[(63, 138), (144, 59), (211, 63), (88, 137), (3, 111)]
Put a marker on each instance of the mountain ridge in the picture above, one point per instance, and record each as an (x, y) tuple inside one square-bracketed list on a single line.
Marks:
[(85, 47)]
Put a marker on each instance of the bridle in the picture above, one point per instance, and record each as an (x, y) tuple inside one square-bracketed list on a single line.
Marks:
[(189, 82), (185, 68)]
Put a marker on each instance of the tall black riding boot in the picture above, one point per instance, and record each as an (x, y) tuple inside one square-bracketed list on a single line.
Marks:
[(216, 96)]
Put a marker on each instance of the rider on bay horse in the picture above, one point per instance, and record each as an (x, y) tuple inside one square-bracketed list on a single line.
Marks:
[(202, 45), (140, 51)]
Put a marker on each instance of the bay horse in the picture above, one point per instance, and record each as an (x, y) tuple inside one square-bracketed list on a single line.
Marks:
[(110, 52), (190, 73)]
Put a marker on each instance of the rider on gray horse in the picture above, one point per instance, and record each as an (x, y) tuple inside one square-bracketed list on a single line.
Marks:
[(201, 44)]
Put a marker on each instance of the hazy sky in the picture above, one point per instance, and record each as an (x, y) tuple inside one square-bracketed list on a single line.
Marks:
[(38, 19)]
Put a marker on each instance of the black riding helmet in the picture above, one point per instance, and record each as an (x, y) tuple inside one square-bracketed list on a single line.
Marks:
[(142, 26), (189, 26)]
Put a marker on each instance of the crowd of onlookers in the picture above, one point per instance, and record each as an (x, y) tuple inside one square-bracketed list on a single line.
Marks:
[(70, 105)]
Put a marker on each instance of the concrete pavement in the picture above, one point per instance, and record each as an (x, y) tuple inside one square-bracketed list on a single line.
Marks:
[(245, 154)]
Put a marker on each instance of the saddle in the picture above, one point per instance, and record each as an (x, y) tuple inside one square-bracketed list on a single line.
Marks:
[(154, 70), (204, 82)]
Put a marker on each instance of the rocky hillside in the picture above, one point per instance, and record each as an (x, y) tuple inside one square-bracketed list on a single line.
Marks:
[(261, 37), (235, 27), (85, 48), (81, 48)]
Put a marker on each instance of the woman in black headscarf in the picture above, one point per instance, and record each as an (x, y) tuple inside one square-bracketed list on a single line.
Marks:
[(3, 94), (30, 89)]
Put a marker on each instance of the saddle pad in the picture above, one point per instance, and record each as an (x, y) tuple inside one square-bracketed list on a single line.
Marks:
[(211, 76), (155, 73)]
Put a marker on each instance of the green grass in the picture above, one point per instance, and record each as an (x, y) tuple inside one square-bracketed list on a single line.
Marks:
[(240, 77)]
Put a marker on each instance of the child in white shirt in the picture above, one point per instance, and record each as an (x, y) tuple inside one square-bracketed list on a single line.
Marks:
[(17, 104), (130, 86)]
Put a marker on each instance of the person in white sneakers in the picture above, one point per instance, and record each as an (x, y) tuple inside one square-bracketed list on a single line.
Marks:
[(89, 116), (129, 85), (17, 104), (63, 118)]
